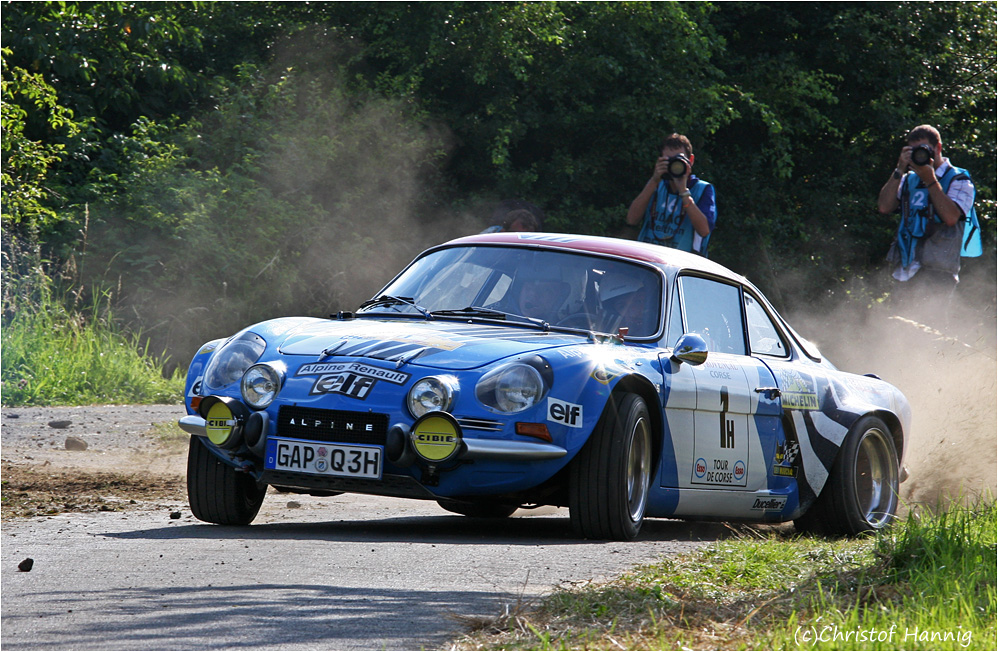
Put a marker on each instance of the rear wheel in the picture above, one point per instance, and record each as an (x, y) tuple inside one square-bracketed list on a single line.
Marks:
[(217, 493), (478, 509), (861, 494), (609, 480)]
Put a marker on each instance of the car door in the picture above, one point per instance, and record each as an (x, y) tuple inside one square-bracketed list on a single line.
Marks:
[(679, 397), (722, 441), (770, 345), (799, 450)]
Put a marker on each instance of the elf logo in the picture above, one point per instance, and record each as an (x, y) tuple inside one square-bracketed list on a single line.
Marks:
[(569, 414), (348, 384)]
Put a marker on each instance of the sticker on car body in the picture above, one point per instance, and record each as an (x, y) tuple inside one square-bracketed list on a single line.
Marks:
[(797, 390), (785, 460), (196, 387), (359, 368), (719, 472), (353, 379), (566, 413), (770, 504)]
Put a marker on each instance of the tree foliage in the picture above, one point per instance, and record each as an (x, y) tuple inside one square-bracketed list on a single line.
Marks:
[(27, 161), (225, 162)]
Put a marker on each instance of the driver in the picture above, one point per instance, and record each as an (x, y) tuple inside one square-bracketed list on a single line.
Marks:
[(623, 300), (540, 298)]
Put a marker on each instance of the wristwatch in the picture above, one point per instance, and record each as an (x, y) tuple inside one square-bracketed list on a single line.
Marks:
[(897, 174), (684, 194)]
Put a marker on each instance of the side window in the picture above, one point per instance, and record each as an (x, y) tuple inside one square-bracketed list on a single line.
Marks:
[(714, 311), (764, 338)]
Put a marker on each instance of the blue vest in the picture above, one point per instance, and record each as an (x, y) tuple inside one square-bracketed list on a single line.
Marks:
[(917, 212), (666, 225)]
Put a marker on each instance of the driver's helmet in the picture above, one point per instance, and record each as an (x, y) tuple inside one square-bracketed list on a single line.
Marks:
[(614, 286), (620, 304)]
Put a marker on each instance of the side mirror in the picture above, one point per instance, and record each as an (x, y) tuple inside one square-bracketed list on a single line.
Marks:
[(690, 348)]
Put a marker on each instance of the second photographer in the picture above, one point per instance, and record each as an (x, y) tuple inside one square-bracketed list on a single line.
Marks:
[(938, 224), (678, 209)]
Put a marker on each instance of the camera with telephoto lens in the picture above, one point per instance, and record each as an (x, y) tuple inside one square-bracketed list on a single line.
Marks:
[(922, 155), (678, 166)]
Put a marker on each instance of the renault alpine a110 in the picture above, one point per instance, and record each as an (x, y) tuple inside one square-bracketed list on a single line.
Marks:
[(619, 379)]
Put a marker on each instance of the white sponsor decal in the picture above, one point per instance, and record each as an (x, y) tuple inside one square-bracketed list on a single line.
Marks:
[(564, 412), (323, 368), (196, 387)]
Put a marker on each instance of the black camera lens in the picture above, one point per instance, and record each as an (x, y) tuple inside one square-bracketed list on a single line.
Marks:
[(922, 155), (678, 165)]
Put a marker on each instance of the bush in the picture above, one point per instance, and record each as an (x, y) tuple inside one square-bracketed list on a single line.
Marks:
[(53, 356)]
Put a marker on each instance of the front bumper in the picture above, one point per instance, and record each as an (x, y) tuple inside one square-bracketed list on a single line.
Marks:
[(474, 448)]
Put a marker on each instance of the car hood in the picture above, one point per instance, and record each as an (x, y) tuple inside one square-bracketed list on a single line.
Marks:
[(442, 344)]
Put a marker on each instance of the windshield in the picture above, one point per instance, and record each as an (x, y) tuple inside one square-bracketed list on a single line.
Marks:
[(566, 290)]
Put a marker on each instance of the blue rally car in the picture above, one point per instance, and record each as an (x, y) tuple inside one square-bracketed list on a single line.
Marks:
[(619, 379)]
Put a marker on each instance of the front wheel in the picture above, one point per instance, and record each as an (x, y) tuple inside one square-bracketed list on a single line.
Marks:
[(217, 493), (861, 494), (609, 480)]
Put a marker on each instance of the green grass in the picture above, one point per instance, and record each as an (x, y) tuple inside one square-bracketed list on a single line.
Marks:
[(52, 356), (169, 436), (927, 584)]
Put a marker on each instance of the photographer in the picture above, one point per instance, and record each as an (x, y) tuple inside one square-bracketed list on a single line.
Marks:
[(938, 222), (678, 209)]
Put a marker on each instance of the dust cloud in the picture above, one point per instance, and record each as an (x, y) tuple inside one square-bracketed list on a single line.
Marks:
[(343, 194), (943, 358)]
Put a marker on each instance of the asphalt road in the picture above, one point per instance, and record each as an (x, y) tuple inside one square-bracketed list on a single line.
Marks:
[(347, 572)]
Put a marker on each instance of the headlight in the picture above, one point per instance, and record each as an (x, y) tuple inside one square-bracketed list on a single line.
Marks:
[(260, 385), (511, 389), (232, 360), (432, 394)]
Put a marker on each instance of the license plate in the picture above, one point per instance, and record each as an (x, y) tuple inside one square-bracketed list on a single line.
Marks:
[(345, 460)]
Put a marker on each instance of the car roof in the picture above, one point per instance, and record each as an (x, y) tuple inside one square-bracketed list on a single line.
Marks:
[(638, 251)]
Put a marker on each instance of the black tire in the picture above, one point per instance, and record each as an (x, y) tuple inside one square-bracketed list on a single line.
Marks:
[(861, 494), (609, 480), (217, 493), (478, 509)]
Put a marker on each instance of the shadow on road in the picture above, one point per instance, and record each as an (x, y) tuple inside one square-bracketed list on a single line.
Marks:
[(311, 616), (428, 529)]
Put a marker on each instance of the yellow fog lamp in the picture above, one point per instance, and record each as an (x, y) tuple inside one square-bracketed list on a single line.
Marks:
[(224, 418), (436, 437)]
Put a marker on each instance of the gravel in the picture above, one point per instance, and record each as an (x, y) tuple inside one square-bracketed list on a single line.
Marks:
[(102, 427)]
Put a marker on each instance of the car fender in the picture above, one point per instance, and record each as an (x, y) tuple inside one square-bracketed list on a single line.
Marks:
[(268, 330), (586, 377), (820, 407), (195, 372)]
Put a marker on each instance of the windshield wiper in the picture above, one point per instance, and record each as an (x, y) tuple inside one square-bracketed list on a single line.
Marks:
[(389, 300), (488, 313), (471, 311)]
